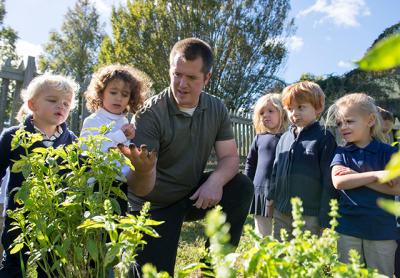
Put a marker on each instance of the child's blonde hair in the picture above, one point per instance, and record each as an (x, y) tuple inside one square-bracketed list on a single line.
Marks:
[(275, 99), (362, 102), (304, 91), (59, 83), (138, 82)]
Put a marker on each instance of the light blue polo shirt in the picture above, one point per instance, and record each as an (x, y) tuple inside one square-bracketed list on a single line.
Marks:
[(360, 215)]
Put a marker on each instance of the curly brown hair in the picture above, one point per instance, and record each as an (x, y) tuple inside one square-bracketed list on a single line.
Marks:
[(138, 82)]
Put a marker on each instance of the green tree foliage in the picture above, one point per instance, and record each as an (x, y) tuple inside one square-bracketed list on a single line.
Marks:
[(74, 50), (8, 38), (248, 39), (8, 57)]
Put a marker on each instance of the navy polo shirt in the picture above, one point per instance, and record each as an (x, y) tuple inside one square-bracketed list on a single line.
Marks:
[(360, 215)]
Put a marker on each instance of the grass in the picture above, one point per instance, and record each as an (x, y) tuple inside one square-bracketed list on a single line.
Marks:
[(192, 241)]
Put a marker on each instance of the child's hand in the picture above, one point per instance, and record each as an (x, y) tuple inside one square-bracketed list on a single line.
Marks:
[(394, 182), (342, 170), (380, 175), (129, 131)]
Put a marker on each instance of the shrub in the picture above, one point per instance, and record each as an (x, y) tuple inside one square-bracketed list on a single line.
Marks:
[(69, 217)]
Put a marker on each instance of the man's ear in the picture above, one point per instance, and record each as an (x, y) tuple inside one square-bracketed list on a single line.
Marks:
[(207, 78)]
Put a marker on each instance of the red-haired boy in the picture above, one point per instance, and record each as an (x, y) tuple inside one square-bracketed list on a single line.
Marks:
[(302, 161)]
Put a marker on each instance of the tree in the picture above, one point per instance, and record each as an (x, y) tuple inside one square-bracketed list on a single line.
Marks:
[(74, 50), (8, 57), (8, 39), (248, 39)]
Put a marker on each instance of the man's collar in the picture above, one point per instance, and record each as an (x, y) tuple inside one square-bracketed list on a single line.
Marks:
[(173, 106)]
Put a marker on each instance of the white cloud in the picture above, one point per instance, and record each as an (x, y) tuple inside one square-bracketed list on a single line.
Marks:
[(295, 43), (25, 48), (341, 12), (344, 64), (102, 7)]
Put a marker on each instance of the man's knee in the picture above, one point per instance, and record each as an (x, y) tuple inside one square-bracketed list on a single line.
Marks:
[(241, 186)]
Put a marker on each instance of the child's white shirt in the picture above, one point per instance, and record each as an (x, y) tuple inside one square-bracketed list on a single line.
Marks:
[(116, 135)]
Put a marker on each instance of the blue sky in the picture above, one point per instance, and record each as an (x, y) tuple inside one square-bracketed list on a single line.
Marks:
[(330, 33)]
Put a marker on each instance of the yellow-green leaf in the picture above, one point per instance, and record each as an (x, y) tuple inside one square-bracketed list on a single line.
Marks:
[(393, 167), (17, 248), (390, 206), (384, 55)]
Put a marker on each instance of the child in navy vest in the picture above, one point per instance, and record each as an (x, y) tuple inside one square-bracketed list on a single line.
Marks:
[(302, 161), (269, 121), (356, 169), (47, 103)]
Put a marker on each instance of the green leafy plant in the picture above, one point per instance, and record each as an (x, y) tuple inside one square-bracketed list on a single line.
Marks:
[(69, 218), (304, 255)]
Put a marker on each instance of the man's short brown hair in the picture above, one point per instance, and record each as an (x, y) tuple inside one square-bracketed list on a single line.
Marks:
[(191, 49)]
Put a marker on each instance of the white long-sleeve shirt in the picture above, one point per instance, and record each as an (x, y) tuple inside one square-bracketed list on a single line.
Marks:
[(102, 117)]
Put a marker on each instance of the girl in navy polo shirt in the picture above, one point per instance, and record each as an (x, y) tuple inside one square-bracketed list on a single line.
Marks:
[(270, 121), (356, 169), (47, 103)]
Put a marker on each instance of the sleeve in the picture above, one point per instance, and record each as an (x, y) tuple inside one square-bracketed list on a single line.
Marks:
[(329, 192), (225, 131), (338, 157), (148, 130), (273, 181), (251, 160), (5, 151), (116, 137)]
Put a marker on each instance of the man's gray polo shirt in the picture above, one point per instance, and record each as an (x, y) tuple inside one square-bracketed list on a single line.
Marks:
[(183, 143)]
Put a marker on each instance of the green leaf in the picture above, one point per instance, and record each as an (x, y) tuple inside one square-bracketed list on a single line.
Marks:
[(384, 55), (111, 253), (390, 206), (393, 167), (40, 150), (92, 248), (78, 253), (119, 193), (90, 224), (18, 166), (17, 248)]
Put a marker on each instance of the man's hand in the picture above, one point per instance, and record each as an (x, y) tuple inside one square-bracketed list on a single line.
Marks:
[(129, 131), (141, 181), (207, 195), (143, 160)]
